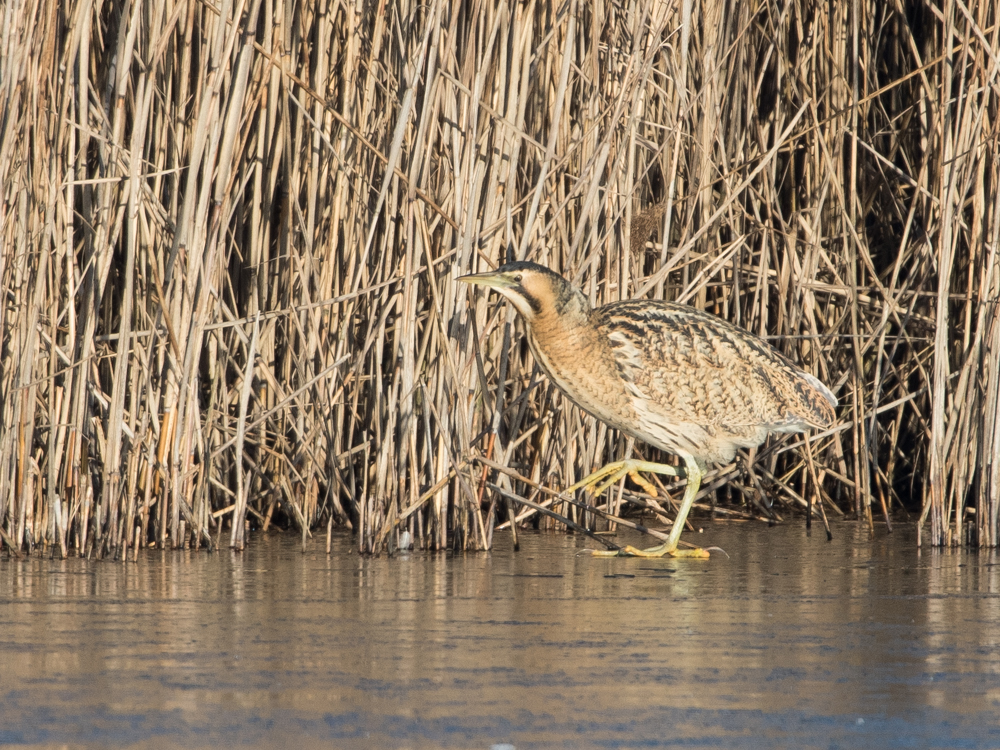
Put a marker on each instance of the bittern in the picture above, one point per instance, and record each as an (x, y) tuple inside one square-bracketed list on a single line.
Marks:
[(677, 378)]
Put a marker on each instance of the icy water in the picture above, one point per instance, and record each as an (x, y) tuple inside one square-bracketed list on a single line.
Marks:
[(790, 642)]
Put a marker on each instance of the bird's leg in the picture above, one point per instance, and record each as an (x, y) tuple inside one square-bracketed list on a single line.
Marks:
[(608, 475), (695, 471)]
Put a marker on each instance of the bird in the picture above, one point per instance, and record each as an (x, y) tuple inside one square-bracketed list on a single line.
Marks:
[(674, 377)]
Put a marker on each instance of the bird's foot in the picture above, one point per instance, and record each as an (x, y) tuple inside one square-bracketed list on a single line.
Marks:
[(612, 473), (640, 480), (661, 550)]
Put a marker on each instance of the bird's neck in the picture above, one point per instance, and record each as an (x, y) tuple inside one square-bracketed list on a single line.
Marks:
[(572, 351), (557, 334), (565, 314)]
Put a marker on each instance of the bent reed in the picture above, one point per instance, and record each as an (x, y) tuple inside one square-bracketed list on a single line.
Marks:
[(232, 232)]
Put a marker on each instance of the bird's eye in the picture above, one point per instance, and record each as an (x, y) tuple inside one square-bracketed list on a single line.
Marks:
[(518, 278)]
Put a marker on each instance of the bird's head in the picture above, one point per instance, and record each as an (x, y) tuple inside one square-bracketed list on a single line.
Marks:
[(534, 290)]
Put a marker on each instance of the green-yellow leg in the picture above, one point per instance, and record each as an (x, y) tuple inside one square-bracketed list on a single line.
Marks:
[(694, 471)]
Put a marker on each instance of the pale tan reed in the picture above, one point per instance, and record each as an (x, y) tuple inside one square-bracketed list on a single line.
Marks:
[(231, 232)]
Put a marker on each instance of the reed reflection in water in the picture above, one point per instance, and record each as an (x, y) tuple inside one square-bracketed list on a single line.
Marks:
[(790, 642)]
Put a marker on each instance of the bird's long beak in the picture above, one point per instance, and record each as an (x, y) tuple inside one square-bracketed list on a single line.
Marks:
[(490, 279)]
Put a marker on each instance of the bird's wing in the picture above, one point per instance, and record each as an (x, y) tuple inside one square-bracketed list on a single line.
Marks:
[(689, 367)]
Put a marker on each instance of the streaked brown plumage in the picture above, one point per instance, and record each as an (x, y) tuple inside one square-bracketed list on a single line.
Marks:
[(680, 379)]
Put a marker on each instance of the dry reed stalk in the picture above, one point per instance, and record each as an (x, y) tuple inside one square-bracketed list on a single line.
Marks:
[(231, 232)]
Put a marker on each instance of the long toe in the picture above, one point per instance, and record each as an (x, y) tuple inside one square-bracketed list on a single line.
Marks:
[(661, 550), (628, 551), (604, 552), (696, 552)]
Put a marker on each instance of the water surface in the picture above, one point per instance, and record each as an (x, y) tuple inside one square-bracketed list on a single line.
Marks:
[(790, 642)]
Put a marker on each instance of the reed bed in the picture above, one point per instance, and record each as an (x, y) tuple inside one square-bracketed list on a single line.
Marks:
[(231, 232)]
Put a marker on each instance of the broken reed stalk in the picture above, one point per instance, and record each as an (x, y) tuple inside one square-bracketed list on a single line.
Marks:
[(231, 232)]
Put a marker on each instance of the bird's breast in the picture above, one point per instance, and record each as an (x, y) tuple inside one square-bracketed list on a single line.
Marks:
[(581, 363)]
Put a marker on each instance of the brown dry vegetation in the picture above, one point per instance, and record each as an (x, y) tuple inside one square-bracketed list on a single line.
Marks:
[(231, 233)]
